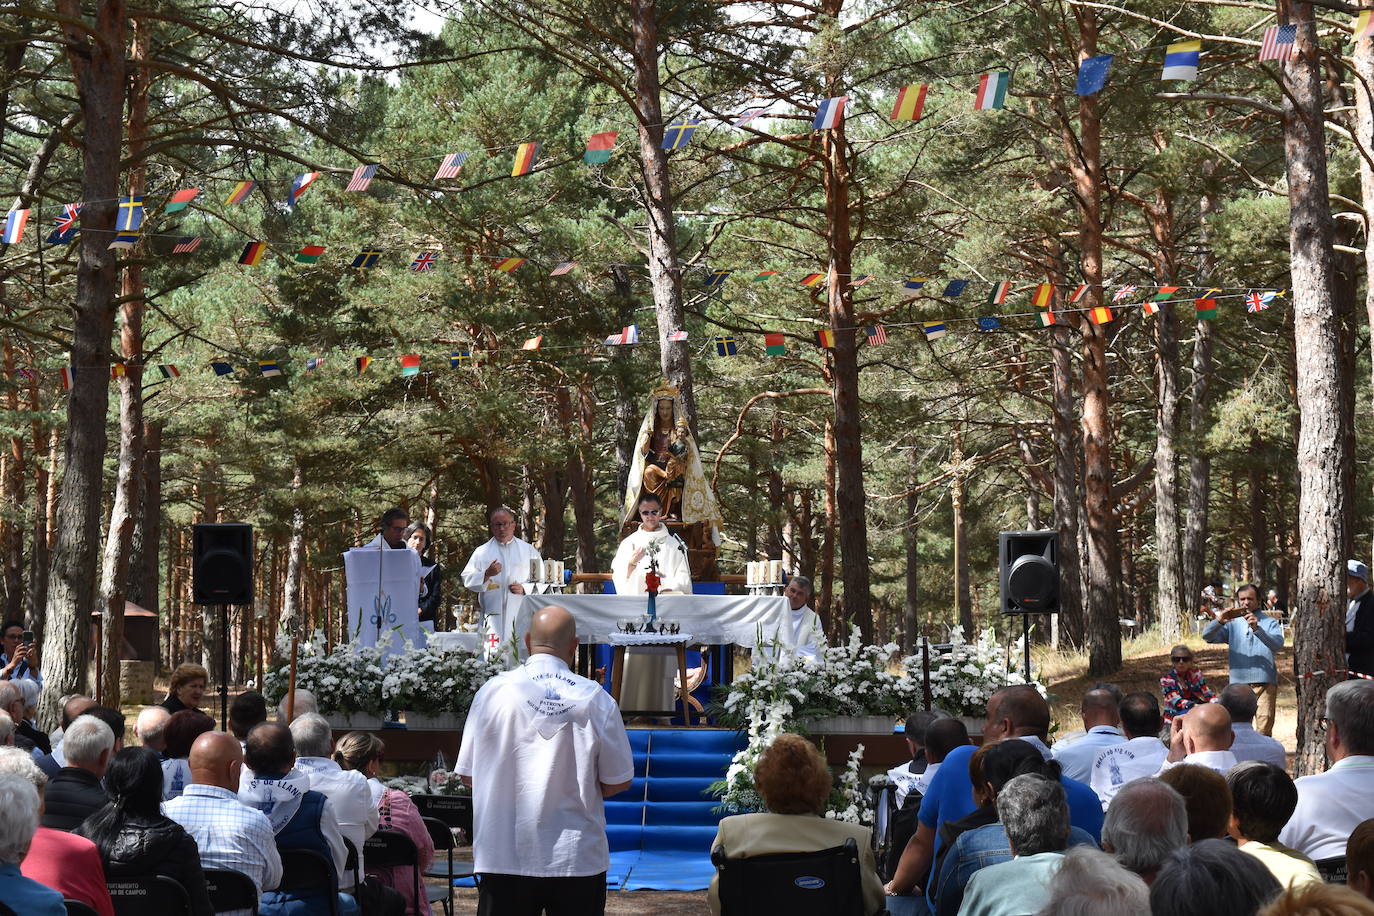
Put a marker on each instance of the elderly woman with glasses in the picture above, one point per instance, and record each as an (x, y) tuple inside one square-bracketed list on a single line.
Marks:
[(1184, 686)]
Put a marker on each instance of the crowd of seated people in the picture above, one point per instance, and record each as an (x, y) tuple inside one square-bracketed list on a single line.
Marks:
[(1184, 821), (90, 813)]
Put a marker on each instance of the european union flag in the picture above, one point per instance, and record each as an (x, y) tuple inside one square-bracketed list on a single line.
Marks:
[(954, 288), (726, 346), (222, 368), (988, 324), (1092, 74)]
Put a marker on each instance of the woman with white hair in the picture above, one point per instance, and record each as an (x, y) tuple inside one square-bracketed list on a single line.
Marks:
[(1092, 883), (26, 734), (18, 822)]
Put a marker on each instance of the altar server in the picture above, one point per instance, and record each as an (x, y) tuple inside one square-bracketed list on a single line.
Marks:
[(648, 680), (497, 570)]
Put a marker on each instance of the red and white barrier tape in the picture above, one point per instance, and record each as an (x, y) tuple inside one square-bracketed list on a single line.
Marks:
[(1334, 671)]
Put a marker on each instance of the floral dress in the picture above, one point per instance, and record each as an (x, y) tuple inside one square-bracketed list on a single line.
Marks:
[(1183, 692)]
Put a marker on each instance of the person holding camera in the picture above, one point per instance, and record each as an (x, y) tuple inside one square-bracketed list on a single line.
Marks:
[(1252, 640), (18, 658)]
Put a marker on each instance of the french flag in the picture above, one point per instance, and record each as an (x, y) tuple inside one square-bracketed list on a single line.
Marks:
[(830, 113)]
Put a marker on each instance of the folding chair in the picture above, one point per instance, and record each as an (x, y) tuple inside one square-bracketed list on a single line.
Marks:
[(231, 890), (441, 835), (1332, 869), (822, 883), (393, 849), (305, 872), (149, 894), (454, 810)]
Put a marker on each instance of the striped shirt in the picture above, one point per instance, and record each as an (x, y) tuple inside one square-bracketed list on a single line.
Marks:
[(229, 834)]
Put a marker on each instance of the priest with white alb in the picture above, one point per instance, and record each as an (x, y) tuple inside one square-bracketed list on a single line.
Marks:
[(497, 570), (648, 680)]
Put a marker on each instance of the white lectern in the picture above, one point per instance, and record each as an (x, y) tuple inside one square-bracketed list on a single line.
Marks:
[(383, 596)]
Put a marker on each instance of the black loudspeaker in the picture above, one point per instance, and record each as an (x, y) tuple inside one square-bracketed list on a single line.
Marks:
[(1029, 565), (222, 563)]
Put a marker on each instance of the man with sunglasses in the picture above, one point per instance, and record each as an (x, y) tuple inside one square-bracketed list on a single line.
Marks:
[(1252, 639), (648, 680)]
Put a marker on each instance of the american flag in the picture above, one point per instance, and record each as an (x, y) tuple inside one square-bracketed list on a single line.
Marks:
[(424, 261), (313, 363), (614, 340), (876, 335), (362, 177), (186, 245), (1279, 42), (1257, 302), (562, 268), (68, 218), (26, 373), (451, 164), (677, 335), (1123, 292)]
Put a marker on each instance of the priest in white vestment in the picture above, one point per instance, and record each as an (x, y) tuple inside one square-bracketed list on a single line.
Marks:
[(648, 680), (497, 570), (805, 638)]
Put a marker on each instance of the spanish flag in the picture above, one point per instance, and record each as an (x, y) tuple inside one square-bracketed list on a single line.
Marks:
[(525, 154), (506, 265), (253, 253), (1101, 314), (910, 101), (1044, 295)]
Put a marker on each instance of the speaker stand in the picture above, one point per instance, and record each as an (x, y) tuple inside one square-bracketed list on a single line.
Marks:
[(1025, 638), (224, 667)]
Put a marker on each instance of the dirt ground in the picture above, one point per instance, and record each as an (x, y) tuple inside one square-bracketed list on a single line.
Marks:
[(1144, 660)]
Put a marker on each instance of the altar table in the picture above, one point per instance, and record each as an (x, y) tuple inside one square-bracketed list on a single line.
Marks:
[(713, 620)]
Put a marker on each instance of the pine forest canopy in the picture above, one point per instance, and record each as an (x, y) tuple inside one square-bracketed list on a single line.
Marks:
[(843, 162)]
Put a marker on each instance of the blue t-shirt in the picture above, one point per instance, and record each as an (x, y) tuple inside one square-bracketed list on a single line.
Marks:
[(950, 797)]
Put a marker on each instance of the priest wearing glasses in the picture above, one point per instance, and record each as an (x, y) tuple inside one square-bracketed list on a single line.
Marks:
[(648, 681), (497, 570)]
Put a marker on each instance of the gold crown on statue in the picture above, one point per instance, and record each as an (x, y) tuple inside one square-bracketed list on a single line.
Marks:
[(664, 390)]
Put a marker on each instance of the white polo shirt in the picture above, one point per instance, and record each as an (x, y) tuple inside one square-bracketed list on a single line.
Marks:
[(1117, 765), (1221, 761), (1330, 806), (1077, 757), (538, 744)]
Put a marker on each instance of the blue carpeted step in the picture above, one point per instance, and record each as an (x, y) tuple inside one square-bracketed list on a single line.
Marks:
[(641, 764), (680, 788), (688, 764), (639, 740), (695, 741), (693, 841), (634, 793), (624, 836), (625, 812), (664, 814)]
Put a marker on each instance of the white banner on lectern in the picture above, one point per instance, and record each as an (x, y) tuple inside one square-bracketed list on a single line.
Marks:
[(383, 596)]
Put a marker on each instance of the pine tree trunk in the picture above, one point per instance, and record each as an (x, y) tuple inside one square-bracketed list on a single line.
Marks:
[(911, 621), (44, 504), (1324, 501), (146, 562), (851, 500), (1103, 632), (98, 62), (1066, 477), (129, 478), (581, 483), (665, 271), (963, 604), (825, 605), (1169, 571), (13, 487), (290, 618)]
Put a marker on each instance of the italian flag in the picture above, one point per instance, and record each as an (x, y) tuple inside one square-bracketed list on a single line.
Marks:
[(1046, 318), (992, 90)]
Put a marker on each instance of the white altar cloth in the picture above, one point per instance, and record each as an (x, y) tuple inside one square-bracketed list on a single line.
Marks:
[(712, 620)]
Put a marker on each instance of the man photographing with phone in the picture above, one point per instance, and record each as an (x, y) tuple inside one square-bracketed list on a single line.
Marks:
[(18, 657), (1253, 639)]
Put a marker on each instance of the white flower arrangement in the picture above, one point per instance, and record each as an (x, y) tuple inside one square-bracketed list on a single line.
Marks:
[(353, 678), (434, 680), (344, 680), (853, 679)]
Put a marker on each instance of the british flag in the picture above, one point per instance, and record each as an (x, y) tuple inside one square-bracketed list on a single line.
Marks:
[(677, 335), (424, 261), (68, 218), (1123, 292), (1257, 302)]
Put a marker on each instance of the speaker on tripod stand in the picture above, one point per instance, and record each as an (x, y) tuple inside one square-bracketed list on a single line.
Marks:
[(222, 575), (1028, 564)]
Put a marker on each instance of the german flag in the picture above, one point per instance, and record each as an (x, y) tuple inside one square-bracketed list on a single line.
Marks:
[(253, 252), (525, 154)]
